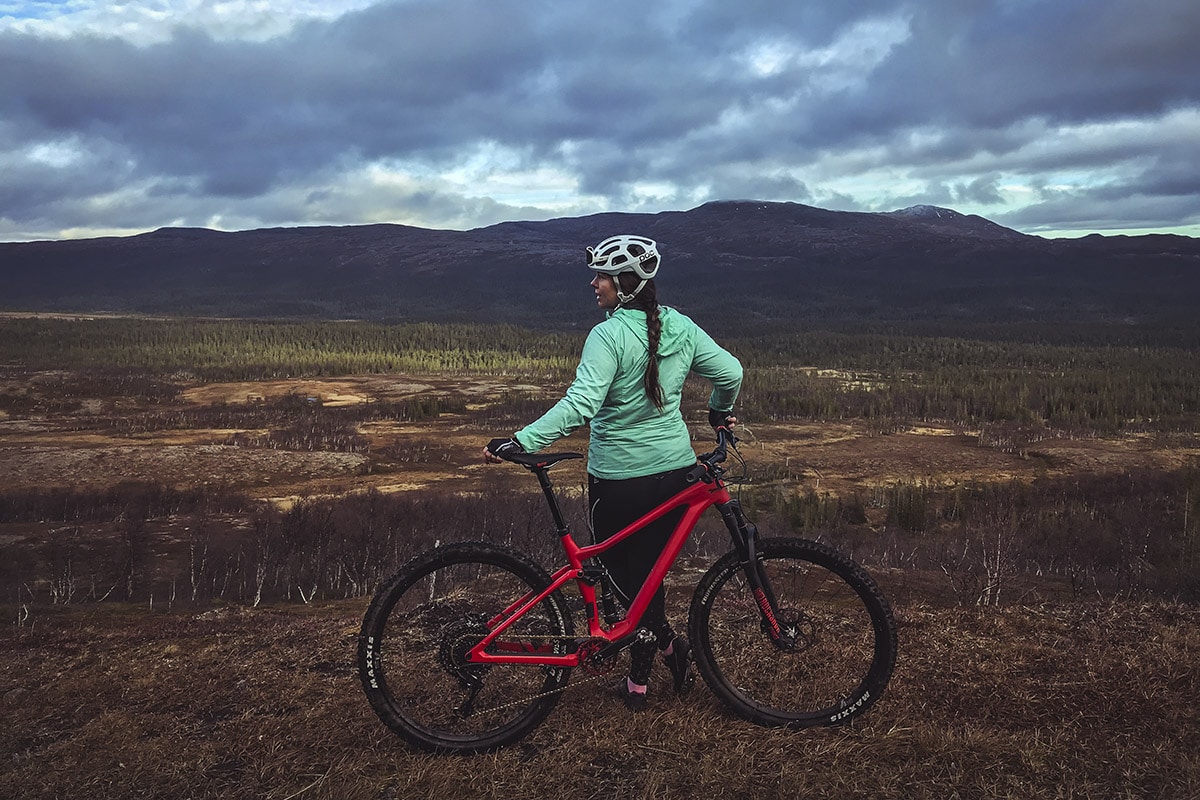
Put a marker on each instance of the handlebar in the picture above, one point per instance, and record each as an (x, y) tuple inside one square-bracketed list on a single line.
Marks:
[(706, 469), (725, 438)]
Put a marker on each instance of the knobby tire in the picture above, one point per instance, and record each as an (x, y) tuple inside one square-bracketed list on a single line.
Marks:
[(418, 627), (844, 649)]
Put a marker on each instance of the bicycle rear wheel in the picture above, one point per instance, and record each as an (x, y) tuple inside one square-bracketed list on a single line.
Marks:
[(839, 652), (421, 624)]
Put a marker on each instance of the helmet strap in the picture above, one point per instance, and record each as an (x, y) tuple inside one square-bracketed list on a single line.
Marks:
[(623, 298)]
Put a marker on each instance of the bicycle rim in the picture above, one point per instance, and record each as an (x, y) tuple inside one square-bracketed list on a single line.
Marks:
[(418, 629), (842, 637)]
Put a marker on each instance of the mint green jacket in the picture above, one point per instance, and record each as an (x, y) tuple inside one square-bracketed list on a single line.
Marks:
[(629, 436)]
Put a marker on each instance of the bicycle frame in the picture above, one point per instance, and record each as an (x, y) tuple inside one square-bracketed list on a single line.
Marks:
[(706, 491)]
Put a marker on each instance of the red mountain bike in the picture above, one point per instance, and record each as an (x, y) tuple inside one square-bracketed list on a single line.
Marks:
[(469, 646)]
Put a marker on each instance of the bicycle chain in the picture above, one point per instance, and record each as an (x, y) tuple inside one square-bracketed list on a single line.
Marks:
[(598, 672)]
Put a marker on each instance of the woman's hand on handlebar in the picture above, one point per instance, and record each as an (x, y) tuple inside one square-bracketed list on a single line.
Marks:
[(721, 419), (496, 450)]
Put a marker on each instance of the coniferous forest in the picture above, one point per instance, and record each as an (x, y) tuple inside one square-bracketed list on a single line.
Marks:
[(1084, 379)]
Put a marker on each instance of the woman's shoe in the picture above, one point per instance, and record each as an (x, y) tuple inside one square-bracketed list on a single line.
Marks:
[(634, 701), (680, 664)]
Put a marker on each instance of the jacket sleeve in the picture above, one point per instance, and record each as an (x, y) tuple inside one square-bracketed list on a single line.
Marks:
[(584, 397), (719, 366)]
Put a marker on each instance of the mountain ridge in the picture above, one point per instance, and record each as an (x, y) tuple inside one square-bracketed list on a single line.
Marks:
[(768, 260)]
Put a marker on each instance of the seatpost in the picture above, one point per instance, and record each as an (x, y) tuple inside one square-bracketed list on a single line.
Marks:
[(543, 477)]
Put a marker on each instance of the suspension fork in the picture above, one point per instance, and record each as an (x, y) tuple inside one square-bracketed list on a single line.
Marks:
[(745, 541)]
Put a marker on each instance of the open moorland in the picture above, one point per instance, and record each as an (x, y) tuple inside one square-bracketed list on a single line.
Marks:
[(194, 513)]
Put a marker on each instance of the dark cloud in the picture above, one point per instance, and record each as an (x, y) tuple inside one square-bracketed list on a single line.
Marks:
[(1086, 211), (746, 22), (735, 185), (810, 101), (988, 64), (984, 190)]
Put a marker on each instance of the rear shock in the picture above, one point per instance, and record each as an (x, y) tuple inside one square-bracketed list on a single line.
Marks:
[(596, 574)]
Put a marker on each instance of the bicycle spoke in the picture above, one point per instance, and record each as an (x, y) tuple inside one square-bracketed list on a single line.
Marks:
[(831, 658), (427, 690)]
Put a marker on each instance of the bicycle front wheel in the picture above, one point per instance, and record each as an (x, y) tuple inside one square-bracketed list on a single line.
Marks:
[(422, 623), (839, 647)]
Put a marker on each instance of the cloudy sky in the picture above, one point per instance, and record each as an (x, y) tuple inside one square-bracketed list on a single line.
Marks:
[(1055, 117)]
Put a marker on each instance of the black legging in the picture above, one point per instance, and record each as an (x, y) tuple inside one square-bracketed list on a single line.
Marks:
[(615, 504)]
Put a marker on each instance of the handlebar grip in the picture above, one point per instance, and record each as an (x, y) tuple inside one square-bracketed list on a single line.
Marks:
[(725, 438)]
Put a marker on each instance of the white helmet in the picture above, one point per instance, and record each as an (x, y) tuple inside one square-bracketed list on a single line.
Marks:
[(625, 253)]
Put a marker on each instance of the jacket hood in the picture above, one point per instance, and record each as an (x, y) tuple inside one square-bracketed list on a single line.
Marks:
[(674, 334)]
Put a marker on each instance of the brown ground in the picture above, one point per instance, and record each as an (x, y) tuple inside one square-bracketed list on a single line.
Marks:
[(1083, 699), (836, 457), (1076, 701), (44, 451)]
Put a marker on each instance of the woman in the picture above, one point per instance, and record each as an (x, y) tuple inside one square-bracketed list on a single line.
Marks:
[(628, 388)]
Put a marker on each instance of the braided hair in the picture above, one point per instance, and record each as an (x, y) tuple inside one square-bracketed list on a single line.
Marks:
[(647, 300)]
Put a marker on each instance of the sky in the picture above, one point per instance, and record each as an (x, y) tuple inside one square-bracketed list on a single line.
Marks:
[(1053, 117)]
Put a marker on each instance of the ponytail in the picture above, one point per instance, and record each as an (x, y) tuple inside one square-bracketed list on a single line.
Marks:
[(647, 301)]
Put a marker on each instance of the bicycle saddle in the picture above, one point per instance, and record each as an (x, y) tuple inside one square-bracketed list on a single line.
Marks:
[(541, 460)]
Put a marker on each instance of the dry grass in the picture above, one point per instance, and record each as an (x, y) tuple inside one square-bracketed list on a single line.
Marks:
[(1071, 700), (1079, 700)]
